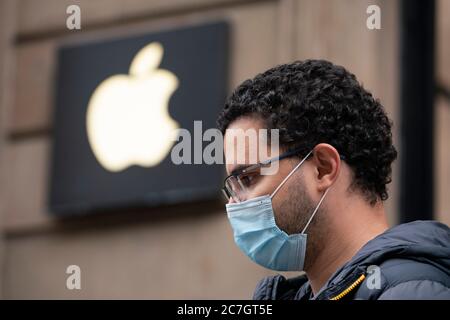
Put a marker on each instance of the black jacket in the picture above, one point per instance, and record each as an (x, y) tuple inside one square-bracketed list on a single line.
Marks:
[(413, 261)]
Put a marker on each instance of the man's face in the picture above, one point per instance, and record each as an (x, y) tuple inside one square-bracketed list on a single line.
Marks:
[(292, 204)]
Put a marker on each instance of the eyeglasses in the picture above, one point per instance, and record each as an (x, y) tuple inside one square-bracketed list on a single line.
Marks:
[(237, 184)]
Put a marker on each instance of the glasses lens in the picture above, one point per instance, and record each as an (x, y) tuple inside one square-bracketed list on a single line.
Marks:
[(234, 188), (226, 194)]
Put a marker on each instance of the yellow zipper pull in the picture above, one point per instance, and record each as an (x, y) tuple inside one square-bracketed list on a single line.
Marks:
[(350, 288)]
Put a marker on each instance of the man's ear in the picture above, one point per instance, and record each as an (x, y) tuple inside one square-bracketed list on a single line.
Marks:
[(328, 163)]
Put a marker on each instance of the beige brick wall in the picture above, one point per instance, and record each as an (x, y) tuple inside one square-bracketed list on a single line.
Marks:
[(7, 29), (442, 115)]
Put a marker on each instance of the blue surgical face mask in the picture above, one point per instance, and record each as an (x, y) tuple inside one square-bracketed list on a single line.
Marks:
[(258, 236)]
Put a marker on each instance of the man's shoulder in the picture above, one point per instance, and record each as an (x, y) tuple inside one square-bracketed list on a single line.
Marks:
[(405, 278), (400, 270), (281, 288)]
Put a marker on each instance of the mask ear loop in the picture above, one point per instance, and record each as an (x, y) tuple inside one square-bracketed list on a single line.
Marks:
[(315, 210), (290, 174)]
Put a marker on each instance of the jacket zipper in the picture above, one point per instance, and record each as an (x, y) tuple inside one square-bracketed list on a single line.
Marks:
[(350, 288)]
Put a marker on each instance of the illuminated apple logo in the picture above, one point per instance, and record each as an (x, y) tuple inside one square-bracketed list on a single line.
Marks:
[(127, 118)]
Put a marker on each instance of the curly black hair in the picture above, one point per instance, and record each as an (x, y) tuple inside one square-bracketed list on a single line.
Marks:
[(315, 101)]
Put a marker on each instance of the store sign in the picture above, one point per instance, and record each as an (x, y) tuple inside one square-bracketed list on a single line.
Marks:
[(118, 106)]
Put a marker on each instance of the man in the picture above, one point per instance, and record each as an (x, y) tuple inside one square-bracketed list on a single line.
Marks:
[(322, 211)]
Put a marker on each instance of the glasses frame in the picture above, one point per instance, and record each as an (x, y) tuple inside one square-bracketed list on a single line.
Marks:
[(229, 194)]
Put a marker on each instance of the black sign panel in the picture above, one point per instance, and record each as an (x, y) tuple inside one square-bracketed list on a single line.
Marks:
[(116, 102)]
